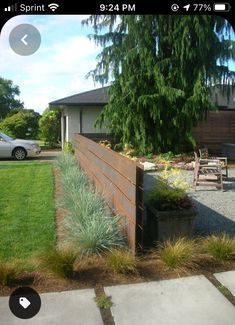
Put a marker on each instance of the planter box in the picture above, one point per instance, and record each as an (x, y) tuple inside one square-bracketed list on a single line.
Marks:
[(163, 225)]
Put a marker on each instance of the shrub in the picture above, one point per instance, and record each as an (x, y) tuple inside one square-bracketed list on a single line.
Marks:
[(121, 261), (169, 192), (23, 124), (68, 147), (102, 301), (220, 247), (177, 253), (9, 272), (49, 125), (59, 262)]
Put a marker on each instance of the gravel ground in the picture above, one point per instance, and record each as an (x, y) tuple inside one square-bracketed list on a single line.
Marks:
[(216, 208)]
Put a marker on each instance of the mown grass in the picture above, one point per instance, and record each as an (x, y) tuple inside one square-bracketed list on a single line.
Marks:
[(26, 209)]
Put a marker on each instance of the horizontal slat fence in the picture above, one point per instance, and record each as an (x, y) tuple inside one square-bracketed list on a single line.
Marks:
[(218, 128), (120, 180)]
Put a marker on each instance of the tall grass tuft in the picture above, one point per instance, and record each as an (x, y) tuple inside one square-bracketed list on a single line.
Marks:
[(89, 225), (220, 247), (59, 262), (9, 271), (176, 254), (65, 161), (121, 261)]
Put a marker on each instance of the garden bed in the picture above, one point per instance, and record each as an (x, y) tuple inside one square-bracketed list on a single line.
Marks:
[(96, 274)]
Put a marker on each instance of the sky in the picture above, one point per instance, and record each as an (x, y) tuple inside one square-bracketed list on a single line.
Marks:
[(58, 68)]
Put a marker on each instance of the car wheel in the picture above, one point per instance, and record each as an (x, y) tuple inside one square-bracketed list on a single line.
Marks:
[(19, 154)]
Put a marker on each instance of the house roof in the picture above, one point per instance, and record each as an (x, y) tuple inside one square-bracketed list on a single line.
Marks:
[(89, 98)]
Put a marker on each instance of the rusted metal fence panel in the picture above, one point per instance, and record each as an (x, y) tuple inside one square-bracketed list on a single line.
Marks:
[(121, 182), (218, 128)]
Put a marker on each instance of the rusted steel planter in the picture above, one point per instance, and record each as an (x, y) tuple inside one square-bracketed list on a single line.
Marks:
[(164, 225)]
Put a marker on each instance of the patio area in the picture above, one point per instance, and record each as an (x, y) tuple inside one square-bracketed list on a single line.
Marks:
[(216, 208)]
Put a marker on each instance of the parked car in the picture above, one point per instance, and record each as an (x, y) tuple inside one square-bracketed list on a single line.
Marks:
[(17, 148)]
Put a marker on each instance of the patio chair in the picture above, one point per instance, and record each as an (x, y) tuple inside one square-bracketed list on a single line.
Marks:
[(207, 172), (204, 154)]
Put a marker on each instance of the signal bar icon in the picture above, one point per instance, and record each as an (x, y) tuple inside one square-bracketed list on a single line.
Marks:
[(53, 6), (11, 8)]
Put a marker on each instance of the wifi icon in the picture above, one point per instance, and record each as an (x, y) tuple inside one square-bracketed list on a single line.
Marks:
[(53, 6)]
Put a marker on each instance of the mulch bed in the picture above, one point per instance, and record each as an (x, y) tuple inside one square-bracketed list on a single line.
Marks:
[(96, 275)]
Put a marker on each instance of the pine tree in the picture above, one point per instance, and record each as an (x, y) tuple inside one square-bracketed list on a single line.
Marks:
[(162, 69)]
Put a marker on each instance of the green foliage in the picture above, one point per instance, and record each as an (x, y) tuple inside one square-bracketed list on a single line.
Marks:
[(9, 272), (49, 125), (169, 192), (121, 261), (162, 67), (89, 225), (8, 92), (221, 247), (177, 253), (104, 302), (68, 147), (23, 124), (65, 161), (59, 262)]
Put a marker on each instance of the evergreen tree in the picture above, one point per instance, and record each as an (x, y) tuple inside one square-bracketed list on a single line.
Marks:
[(162, 69)]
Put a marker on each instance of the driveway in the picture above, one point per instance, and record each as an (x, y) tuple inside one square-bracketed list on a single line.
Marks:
[(45, 155)]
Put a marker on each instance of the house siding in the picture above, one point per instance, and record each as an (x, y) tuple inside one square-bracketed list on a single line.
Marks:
[(89, 116), (73, 116)]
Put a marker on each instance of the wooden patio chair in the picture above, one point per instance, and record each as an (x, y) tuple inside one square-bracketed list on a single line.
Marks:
[(207, 172), (204, 154)]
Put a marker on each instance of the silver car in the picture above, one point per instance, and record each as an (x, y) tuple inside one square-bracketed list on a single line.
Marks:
[(17, 148)]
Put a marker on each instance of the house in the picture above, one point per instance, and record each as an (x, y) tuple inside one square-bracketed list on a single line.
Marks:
[(79, 113)]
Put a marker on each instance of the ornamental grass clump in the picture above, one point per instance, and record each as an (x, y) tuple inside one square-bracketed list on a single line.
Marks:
[(89, 224), (9, 271), (59, 262), (176, 254), (65, 161), (121, 261), (221, 247)]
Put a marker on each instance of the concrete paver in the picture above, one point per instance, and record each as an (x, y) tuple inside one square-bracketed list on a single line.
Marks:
[(75, 307), (227, 279), (191, 300)]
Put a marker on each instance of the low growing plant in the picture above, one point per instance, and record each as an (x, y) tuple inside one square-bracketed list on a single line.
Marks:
[(65, 161), (68, 147), (121, 261), (89, 226), (59, 262), (177, 253), (169, 192), (9, 271), (220, 247), (103, 301)]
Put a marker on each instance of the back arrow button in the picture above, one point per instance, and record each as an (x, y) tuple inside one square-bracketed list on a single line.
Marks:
[(23, 39)]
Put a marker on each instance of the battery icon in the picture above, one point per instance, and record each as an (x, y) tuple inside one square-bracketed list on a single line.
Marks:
[(221, 6)]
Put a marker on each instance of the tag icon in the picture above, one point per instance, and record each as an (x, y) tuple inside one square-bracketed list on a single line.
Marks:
[(24, 302)]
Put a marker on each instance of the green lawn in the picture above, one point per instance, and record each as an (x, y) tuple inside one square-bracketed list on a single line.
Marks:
[(26, 209)]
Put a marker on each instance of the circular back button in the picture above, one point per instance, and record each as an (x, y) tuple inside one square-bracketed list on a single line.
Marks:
[(24, 302), (24, 39)]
